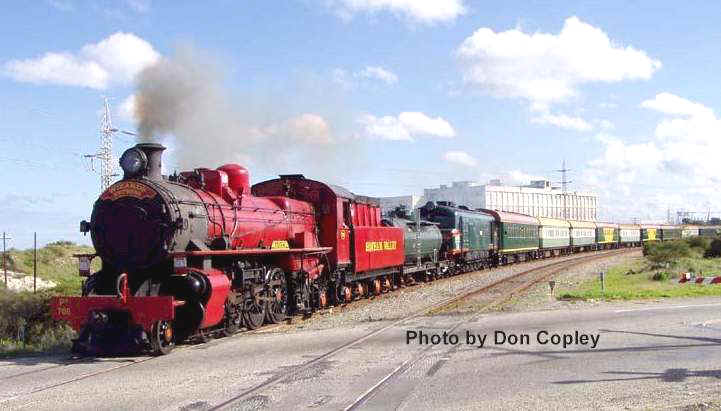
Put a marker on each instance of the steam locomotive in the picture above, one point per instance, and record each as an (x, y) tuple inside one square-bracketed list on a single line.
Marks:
[(202, 252)]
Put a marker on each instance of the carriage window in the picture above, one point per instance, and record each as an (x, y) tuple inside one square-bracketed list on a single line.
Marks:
[(347, 216)]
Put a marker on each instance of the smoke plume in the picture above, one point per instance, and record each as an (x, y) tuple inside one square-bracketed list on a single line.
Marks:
[(183, 98)]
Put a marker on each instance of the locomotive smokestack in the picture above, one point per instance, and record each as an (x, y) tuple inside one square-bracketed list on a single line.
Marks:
[(154, 153)]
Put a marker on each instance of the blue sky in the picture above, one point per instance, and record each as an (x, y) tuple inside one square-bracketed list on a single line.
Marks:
[(385, 97)]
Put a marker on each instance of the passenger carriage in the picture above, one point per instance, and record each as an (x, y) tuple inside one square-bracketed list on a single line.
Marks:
[(554, 236), (606, 235), (583, 235), (629, 235), (670, 232), (517, 236), (650, 233), (689, 231)]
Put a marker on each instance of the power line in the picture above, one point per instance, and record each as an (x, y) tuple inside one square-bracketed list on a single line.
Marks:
[(105, 152), (5, 267), (564, 185)]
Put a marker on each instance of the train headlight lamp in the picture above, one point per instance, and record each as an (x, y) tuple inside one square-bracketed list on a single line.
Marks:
[(133, 162)]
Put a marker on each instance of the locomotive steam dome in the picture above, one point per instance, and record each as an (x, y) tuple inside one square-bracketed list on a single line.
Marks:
[(131, 226)]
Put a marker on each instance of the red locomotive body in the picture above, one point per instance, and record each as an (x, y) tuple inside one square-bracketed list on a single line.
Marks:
[(349, 224), (194, 252)]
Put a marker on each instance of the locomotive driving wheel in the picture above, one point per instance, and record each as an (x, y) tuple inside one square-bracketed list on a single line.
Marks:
[(233, 319), (162, 338), (277, 292), (253, 312)]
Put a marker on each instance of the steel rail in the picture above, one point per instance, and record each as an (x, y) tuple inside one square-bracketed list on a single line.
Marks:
[(473, 291), (466, 292), (556, 268)]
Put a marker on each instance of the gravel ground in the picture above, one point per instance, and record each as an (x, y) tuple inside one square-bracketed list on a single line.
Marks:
[(538, 297), (408, 300)]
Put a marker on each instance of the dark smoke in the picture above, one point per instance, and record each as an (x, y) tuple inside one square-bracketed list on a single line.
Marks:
[(184, 97)]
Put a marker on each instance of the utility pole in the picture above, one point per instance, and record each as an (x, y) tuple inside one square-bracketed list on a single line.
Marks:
[(564, 186), (35, 262), (105, 151), (5, 267)]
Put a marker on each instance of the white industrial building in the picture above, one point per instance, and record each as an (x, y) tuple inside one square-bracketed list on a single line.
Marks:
[(538, 199)]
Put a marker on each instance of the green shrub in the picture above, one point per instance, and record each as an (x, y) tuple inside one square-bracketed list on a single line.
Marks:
[(714, 249), (661, 276), (646, 247), (662, 253), (700, 243), (31, 313)]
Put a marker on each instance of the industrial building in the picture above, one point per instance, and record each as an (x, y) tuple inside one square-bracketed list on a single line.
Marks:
[(539, 199)]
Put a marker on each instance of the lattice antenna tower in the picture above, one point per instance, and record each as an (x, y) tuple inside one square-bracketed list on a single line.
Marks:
[(564, 185), (105, 152)]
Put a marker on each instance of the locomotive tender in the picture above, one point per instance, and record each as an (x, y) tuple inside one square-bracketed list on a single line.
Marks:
[(203, 252)]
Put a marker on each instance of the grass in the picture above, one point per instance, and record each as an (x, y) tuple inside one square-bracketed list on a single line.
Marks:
[(55, 263), (634, 280), (27, 315), (26, 325)]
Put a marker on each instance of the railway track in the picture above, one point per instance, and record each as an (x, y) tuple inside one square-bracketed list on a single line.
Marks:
[(507, 287), (503, 289)]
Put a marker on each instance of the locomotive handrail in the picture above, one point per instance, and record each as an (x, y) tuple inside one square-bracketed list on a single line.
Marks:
[(252, 251)]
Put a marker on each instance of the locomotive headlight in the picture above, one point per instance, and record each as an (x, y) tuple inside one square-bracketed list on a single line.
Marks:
[(133, 162)]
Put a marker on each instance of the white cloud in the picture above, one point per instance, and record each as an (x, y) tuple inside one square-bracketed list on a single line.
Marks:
[(341, 78), (546, 68), (563, 121), (513, 177), (518, 177), (114, 60), (608, 105), (605, 124), (139, 6), (422, 11), (126, 110), (376, 72), (461, 158), (677, 167), (668, 103), (364, 77), (406, 126)]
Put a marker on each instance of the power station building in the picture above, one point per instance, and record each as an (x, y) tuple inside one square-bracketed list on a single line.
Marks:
[(538, 199)]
